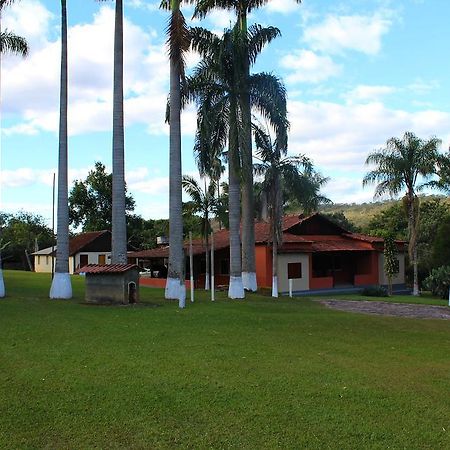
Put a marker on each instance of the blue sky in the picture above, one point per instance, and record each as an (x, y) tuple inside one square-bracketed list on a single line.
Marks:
[(357, 72)]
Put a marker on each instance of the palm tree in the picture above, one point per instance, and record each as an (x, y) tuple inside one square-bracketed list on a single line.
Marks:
[(61, 285), (203, 202), (119, 226), (283, 179), (178, 40), (215, 88), (242, 8), (399, 165), (9, 43)]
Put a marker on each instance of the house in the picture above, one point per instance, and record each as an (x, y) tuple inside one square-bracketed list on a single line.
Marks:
[(316, 254), (111, 283), (93, 247)]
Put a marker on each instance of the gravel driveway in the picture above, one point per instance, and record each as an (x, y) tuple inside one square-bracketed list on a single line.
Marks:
[(390, 309)]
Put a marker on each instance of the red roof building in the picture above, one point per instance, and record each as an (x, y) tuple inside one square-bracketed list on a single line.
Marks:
[(316, 254)]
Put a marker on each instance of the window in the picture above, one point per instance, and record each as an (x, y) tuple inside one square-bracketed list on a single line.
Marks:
[(46, 260), (39, 259), (294, 270)]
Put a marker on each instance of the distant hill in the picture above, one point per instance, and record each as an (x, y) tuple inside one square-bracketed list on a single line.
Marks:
[(360, 214)]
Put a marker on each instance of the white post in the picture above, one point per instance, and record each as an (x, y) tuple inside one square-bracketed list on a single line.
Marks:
[(212, 267), (191, 266), (290, 287)]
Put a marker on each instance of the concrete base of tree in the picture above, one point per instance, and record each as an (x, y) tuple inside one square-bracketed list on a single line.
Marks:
[(2, 285), (249, 281), (236, 288), (274, 286), (172, 289), (182, 296), (61, 286)]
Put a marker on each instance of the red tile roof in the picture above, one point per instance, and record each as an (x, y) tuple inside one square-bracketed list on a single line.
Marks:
[(106, 268), (77, 243)]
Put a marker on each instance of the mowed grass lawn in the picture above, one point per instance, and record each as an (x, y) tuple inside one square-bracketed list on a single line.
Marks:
[(258, 373)]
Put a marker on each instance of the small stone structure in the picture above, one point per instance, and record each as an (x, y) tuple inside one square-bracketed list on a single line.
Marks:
[(111, 283)]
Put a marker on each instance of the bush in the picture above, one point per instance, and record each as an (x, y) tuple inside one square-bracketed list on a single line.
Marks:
[(375, 291), (438, 282)]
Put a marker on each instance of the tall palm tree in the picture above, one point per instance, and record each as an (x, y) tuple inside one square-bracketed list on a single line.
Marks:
[(178, 40), (398, 166), (284, 177), (242, 8), (215, 88), (9, 43), (61, 285), (203, 202), (119, 226)]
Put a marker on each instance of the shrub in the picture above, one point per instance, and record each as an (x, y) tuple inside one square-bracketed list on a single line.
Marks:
[(375, 291), (438, 282)]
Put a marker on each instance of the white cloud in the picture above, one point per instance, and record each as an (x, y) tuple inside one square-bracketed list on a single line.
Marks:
[(90, 80), (359, 33), (369, 93), (282, 6), (307, 66)]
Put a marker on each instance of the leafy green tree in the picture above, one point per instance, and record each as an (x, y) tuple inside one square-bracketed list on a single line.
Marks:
[(90, 200), (61, 285), (23, 233), (391, 220), (398, 166), (390, 260), (340, 219), (441, 244)]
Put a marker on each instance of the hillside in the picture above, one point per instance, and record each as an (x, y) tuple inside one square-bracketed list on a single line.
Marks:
[(360, 214)]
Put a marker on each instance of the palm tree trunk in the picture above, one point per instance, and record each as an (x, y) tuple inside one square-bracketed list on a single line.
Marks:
[(207, 284), (236, 288), (119, 226), (412, 247), (61, 285), (2, 283), (175, 287), (275, 221), (274, 266), (248, 203)]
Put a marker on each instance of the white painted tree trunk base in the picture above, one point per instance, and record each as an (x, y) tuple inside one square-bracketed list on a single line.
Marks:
[(172, 289), (236, 288), (61, 286), (207, 287), (249, 281), (182, 295), (2, 285), (274, 286)]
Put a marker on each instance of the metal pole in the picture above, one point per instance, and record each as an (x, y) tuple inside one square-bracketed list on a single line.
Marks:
[(53, 227), (191, 266), (290, 287), (212, 267)]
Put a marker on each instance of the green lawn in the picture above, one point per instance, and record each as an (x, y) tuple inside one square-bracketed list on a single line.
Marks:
[(258, 373)]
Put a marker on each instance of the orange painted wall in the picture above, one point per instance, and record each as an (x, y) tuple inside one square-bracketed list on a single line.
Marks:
[(263, 256), (157, 282), (321, 283)]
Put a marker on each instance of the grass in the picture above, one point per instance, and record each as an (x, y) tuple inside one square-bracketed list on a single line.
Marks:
[(258, 373)]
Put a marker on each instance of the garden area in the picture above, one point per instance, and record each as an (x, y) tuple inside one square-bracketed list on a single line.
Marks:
[(258, 373)]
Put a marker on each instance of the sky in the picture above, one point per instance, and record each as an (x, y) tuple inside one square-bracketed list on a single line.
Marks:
[(357, 72)]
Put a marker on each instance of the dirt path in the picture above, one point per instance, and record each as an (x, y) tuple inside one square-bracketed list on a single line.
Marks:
[(390, 309)]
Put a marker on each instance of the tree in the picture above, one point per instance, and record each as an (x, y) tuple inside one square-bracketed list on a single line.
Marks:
[(178, 40), (9, 43), (61, 285), (246, 56), (341, 220), (398, 166), (203, 202), (119, 227), (282, 178), (22, 234), (90, 200), (441, 244), (390, 260), (214, 88)]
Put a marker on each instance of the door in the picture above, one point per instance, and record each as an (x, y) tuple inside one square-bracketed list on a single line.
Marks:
[(83, 260), (102, 259)]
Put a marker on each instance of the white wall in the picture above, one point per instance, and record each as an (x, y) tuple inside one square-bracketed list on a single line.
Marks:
[(300, 284), (41, 265), (397, 279)]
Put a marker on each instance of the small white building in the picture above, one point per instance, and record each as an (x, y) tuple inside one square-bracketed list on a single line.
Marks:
[(87, 248)]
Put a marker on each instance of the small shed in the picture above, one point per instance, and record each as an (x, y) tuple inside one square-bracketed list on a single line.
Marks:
[(111, 283)]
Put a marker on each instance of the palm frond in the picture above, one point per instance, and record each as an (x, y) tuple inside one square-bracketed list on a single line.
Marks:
[(12, 43)]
